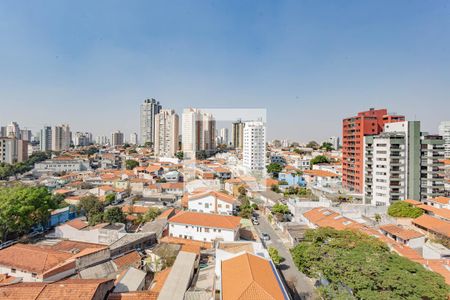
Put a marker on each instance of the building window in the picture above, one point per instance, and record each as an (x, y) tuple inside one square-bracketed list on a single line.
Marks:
[(13, 270), (206, 229), (33, 275)]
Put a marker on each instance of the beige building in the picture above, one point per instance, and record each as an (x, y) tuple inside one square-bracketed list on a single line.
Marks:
[(166, 133)]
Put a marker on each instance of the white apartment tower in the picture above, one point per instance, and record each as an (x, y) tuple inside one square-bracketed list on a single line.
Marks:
[(149, 109), (61, 137), (133, 138), (444, 131), (198, 133), (166, 133), (254, 146), (45, 139), (13, 130), (224, 136)]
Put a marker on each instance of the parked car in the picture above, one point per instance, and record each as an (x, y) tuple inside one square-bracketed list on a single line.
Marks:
[(265, 237), (255, 221)]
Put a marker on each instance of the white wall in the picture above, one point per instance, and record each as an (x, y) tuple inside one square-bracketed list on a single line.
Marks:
[(210, 204), (199, 233)]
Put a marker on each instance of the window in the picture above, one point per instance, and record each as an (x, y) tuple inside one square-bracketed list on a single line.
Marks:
[(13, 270), (206, 229), (33, 275)]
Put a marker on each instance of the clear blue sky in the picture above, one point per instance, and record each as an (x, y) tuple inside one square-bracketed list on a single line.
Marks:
[(310, 63)]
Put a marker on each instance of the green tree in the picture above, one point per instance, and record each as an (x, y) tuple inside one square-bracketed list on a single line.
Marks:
[(130, 164), (114, 215), (180, 155), (299, 151), (274, 168), (90, 206), (151, 214), (109, 198), (327, 146), (320, 159), (22, 207), (275, 256), (402, 209), (280, 208), (365, 265), (313, 144)]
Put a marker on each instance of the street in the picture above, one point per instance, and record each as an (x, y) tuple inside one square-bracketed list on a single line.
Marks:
[(304, 288)]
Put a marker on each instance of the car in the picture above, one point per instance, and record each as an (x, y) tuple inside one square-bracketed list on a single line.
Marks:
[(265, 237), (255, 222)]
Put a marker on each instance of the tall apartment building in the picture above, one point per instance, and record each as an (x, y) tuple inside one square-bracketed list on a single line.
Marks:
[(45, 139), (13, 130), (334, 141), (117, 138), (149, 109), (3, 131), (432, 167), (402, 163), (13, 150), (26, 135), (237, 134), (61, 137), (82, 139), (133, 138), (166, 133), (354, 129), (101, 140), (254, 148), (224, 139), (198, 133), (444, 131)]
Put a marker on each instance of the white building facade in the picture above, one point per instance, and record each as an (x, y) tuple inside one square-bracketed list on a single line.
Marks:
[(149, 109), (254, 150), (166, 133)]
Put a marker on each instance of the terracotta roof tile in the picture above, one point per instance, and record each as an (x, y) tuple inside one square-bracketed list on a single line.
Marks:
[(160, 279), (140, 295), (404, 234), (206, 220), (433, 224), (132, 259)]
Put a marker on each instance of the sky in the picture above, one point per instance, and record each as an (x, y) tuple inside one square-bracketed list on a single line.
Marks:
[(308, 63)]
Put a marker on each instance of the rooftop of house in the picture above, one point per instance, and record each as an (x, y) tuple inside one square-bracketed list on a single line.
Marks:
[(206, 220), (433, 224), (404, 234)]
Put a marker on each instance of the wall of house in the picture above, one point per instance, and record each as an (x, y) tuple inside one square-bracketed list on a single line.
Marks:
[(209, 204), (199, 233)]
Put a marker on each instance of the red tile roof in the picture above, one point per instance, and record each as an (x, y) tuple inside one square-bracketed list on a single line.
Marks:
[(433, 224), (132, 259), (404, 234), (206, 220)]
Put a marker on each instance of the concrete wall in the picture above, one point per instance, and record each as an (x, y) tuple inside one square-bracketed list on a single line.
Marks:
[(199, 233)]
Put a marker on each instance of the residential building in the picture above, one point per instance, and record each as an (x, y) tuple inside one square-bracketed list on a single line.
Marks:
[(61, 137), (198, 133), (354, 129), (26, 135), (13, 130), (211, 202), (204, 227), (133, 138), (254, 148), (444, 131), (166, 133), (117, 138), (149, 109), (334, 141), (82, 139), (45, 140), (61, 165), (431, 167), (237, 134), (13, 150), (101, 140), (224, 136)]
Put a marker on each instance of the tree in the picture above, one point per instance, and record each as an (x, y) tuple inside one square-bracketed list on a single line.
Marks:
[(109, 198), (151, 214), (201, 155), (402, 209), (246, 210), (274, 168), (90, 206), (275, 256), (280, 208), (180, 155), (327, 146), (130, 164), (377, 218), (275, 188), (365, 266), (114, 215), (320, 159), (22, 207), (313, 144), (242, 190)]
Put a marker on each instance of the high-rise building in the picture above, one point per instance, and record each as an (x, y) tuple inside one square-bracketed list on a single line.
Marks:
[(133, 138), (444, 131), (3, 131), (13, 150), (355, 128), (149, 109), (224, 136), (237, 134), (117, 138), (82, 139), (166, 133), (402, 163), (26, 135), (334, 141), (198, 133), (254, 148), (13, 130), (61, 137), (101, 140), (45, 139)]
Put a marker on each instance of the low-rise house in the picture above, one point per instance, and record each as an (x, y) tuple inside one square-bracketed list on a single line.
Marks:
[(248, 276), (320, 178), (96, 289), (434, 226), (174, 188), (132, 280), (409, 237), (432, 250), (51, 166), (212, 202), (439, 202), (62, 215), (204, 227)]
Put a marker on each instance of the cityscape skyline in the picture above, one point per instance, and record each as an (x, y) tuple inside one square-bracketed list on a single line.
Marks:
[(309, 57)]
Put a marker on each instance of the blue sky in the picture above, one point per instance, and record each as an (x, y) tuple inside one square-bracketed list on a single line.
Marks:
[(309, 63)]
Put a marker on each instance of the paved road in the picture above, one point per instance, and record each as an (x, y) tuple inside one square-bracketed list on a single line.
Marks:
[(303, 285)]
